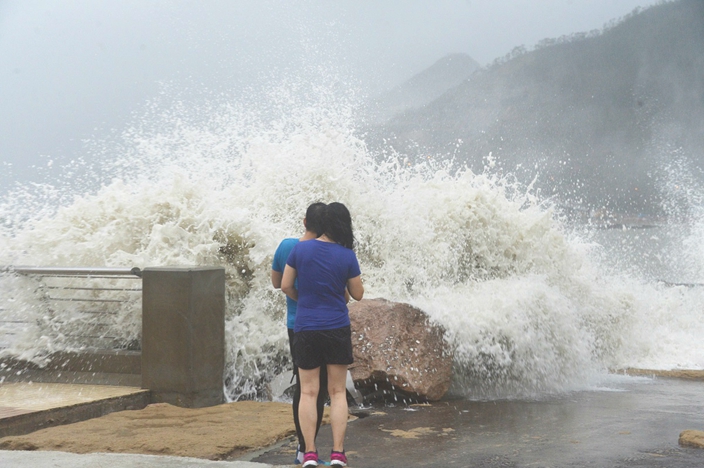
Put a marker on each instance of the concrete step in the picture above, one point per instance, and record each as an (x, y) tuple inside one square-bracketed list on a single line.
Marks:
[(29, 406), (117, 361)]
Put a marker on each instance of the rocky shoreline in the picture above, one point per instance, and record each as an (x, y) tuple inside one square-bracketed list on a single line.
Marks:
[(686, 374)]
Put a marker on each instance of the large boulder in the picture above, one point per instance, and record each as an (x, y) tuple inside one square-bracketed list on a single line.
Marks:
[(397, 348), (692, 438)]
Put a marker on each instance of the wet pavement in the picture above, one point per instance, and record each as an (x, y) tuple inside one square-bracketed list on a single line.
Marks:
[(628, 422)]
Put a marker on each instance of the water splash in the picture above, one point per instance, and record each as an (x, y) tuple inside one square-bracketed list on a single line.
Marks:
[(526, 308)]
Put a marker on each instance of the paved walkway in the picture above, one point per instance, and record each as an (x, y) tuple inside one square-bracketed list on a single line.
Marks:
[(13, 459), (627, 423)]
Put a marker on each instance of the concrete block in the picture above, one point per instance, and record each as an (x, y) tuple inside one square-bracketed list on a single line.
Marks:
[(183, 335)]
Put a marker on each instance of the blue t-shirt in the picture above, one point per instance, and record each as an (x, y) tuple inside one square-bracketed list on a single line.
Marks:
[(278, 264), (322, 271)]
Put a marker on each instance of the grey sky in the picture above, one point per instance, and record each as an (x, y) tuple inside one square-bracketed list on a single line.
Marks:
[(74, 69)]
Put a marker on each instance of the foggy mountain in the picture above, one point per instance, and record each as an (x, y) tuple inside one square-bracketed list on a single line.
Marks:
[(423, 88), (597, 116)]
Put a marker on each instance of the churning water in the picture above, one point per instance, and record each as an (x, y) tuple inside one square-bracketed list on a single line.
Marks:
[(530, 307)]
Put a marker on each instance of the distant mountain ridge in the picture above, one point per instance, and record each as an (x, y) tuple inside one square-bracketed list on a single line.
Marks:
[(601, 116), (424, 87)]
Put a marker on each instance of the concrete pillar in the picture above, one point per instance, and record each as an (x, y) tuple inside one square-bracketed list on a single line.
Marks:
[(183, 335)]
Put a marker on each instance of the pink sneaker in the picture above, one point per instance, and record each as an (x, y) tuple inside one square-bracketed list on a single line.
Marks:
[(310, 459), (338, 458)]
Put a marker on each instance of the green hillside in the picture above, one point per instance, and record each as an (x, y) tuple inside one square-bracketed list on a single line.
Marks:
[(422, 88), (600, 115)]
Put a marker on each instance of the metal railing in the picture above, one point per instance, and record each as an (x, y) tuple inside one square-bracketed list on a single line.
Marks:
[(73, 271), (81, 304)]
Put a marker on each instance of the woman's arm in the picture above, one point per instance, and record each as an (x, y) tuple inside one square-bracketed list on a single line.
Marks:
[(288, 282), (354, 286)]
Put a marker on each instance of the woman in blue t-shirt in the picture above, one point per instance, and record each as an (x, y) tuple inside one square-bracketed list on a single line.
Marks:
[(327, 270)]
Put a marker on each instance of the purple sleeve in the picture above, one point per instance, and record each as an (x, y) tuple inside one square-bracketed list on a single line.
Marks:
[(354, 270)]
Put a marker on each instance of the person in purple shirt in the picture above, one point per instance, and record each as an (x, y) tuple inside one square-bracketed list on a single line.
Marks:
[(313, 225), (327, 271)]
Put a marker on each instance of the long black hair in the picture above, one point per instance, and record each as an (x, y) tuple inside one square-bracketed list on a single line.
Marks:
[(338, 225)]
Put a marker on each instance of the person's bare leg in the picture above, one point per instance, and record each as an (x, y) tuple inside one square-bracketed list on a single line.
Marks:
[(337, 378), (307, 410)]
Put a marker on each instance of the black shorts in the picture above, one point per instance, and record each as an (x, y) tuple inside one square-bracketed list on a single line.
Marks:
[(316, 348)]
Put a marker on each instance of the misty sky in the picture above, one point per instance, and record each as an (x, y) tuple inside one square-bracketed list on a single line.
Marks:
[(72, 70)]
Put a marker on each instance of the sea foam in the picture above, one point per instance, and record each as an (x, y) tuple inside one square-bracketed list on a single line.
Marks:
[(527, 308)]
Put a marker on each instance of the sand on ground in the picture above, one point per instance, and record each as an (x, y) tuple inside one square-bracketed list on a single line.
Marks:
[(215, 433)]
